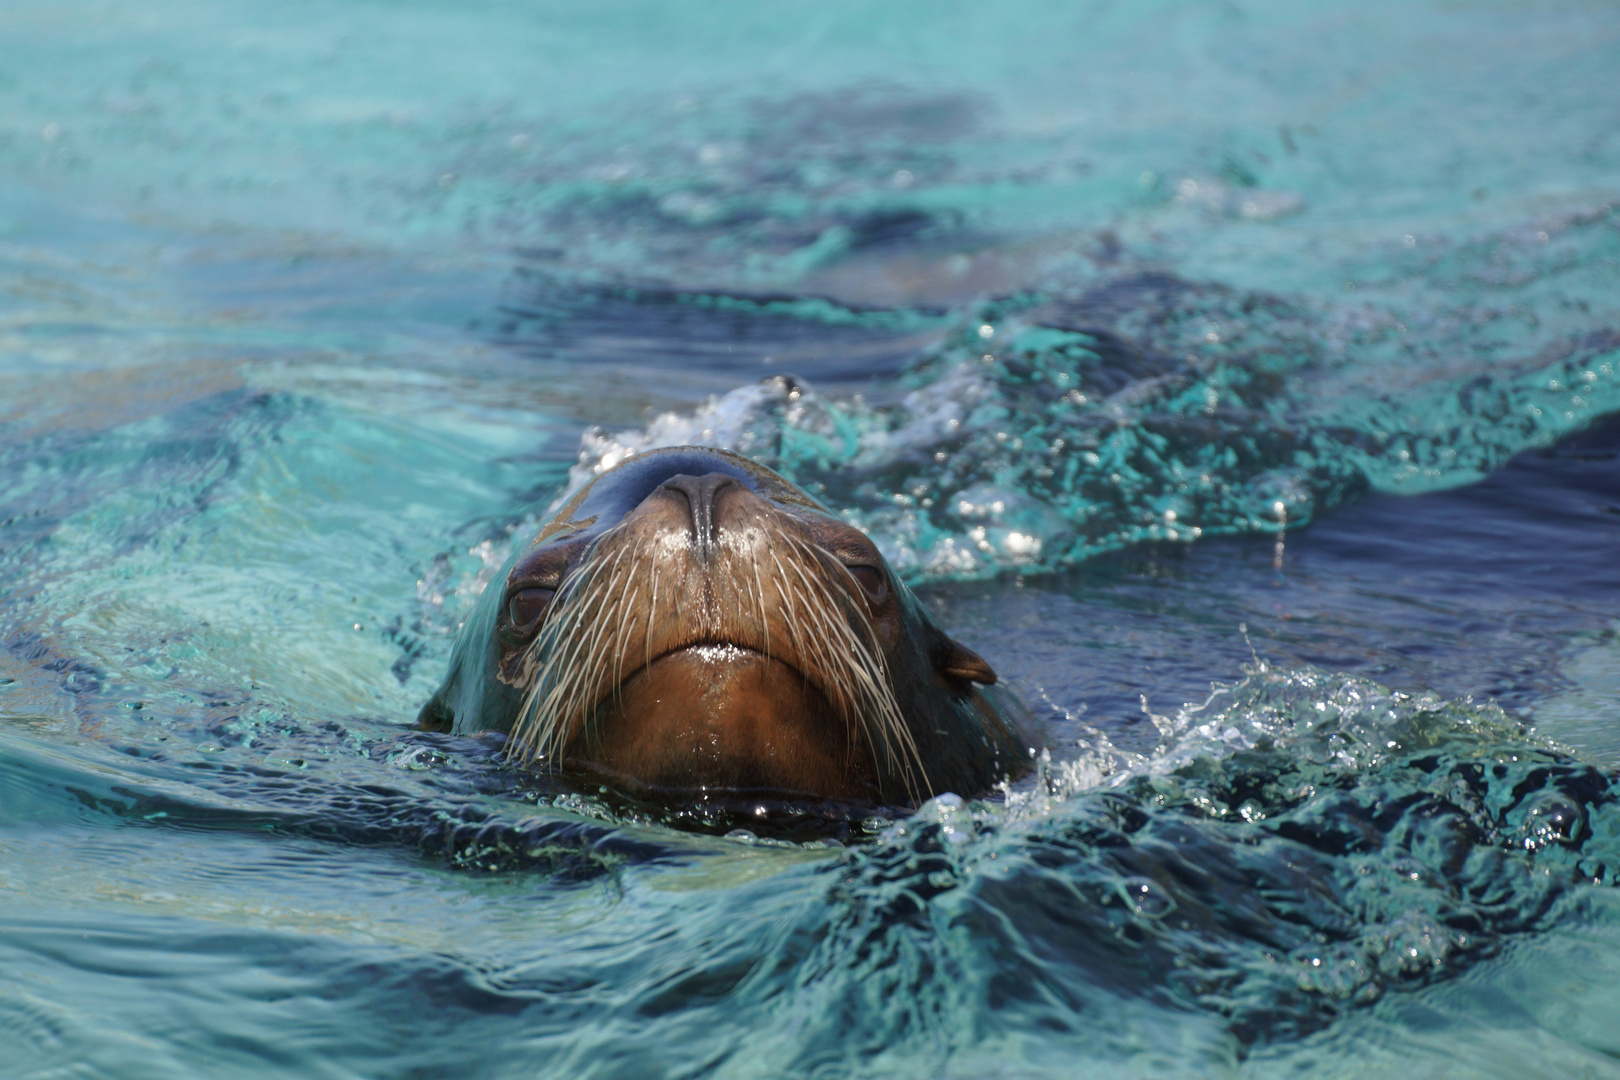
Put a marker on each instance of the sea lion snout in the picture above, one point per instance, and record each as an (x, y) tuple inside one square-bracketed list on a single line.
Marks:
[(699, 493)]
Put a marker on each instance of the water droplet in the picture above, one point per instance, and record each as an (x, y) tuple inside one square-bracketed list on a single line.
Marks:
[(1147, 897)]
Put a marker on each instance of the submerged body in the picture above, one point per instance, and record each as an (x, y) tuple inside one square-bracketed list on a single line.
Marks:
[(692, 622)]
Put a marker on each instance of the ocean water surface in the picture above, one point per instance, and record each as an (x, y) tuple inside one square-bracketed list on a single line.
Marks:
[(1241, 379)]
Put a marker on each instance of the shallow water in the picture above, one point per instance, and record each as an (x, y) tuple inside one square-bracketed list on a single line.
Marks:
[(1159, 346)]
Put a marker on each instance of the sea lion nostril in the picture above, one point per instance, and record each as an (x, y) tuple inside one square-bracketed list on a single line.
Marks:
[(700, 492)]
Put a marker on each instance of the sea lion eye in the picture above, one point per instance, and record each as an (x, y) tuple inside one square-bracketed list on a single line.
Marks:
[(527, 605), (870, 579)]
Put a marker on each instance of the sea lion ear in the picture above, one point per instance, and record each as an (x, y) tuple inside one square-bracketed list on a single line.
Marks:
[(959, 663)]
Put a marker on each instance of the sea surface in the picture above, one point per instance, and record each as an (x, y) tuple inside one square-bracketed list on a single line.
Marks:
[(1241, 378)]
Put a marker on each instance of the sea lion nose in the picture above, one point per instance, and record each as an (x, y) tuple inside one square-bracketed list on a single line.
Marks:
[(700, 492)]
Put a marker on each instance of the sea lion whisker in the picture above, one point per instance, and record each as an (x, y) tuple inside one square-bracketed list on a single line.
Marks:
[(616, 616), (823, 618), (844, 698), (594, 670), (536, 729), (623, 632), (608, 601), (533, 733), (759, 600), (560, 705), (787, 588), (530, 732), (652, 612), (585, 604), (587, 666), (603, 639), (547, 684), (868, 670), (808, 616), (820, 615), (787, 593)]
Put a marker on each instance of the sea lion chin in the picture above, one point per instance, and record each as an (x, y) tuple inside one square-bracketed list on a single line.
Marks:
[(692, 622)]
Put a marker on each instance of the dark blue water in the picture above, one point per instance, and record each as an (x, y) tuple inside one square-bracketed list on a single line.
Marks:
[(1240, 380)]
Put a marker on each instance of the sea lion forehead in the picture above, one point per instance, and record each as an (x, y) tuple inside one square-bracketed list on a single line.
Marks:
[(604, 501)]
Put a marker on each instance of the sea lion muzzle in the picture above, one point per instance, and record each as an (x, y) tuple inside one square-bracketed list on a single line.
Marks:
[(691, 621)]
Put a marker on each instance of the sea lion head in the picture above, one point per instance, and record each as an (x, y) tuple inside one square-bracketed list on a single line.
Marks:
[(692, 622)]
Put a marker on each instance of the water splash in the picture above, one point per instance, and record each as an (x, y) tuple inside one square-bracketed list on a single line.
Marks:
[(1302, 844)]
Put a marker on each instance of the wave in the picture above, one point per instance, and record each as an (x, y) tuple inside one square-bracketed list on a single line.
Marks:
[(1046, 427)]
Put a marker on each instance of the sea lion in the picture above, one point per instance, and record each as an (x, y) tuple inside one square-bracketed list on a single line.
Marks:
[(691, 622)]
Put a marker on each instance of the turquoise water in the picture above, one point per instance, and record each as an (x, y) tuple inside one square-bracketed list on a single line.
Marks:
[(1233, 376)]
